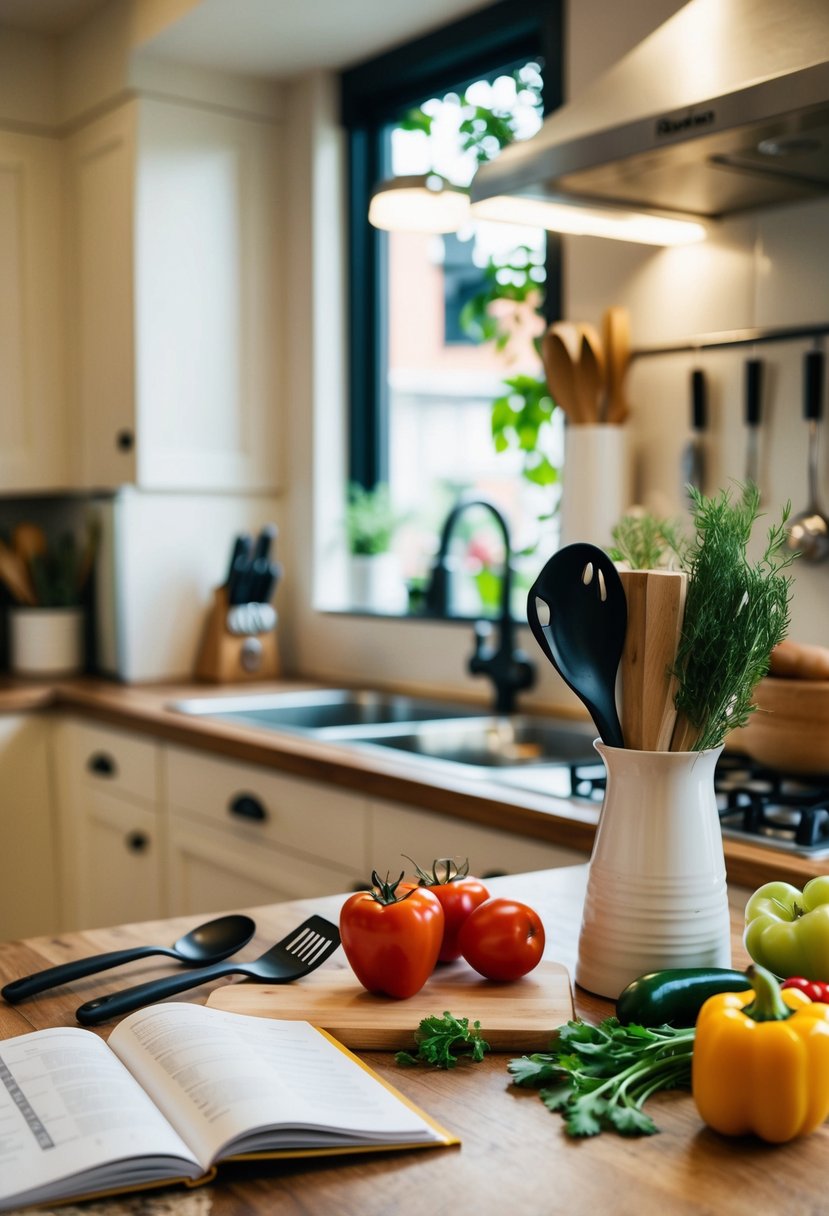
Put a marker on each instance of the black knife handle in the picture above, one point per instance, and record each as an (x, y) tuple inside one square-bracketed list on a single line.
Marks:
[(813, 385), (754, 391), (264, 540), (65, 973), (699, 400)]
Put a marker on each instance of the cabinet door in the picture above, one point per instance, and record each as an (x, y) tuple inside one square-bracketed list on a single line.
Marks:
[(33, 433), (100, 177), (29, 901), (214, 871), (208, 337), (397, 830), (119, 877)]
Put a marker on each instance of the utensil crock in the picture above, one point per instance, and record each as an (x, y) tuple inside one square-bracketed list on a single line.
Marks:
[(656, 892)]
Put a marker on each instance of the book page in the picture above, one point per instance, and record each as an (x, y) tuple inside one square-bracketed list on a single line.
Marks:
[(218, 1075), (67, 1105)]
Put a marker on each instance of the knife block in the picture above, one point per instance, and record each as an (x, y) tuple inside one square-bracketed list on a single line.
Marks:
[(231, 658)]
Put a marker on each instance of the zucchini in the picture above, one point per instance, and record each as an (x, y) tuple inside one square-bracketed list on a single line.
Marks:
[(675, 996)]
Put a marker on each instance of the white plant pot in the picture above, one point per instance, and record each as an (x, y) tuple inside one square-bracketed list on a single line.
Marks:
[(375, 583), (46, 641), (656, 891)]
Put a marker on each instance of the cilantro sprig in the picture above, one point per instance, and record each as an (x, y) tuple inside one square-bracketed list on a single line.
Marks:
[(599, 1077), (442, 1041)]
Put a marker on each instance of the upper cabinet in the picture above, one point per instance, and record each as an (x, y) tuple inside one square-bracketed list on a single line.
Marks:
[(33, 424), (174, 335)]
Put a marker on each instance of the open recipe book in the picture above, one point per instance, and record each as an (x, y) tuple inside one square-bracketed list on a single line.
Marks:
[(178, 1089)]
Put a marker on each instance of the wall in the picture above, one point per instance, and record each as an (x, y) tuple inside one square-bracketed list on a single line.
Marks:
[(764, 271)]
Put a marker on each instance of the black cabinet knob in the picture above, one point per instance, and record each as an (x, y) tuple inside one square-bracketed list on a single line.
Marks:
[(137, 842), (125, 441), (246, 806), (102, 765)]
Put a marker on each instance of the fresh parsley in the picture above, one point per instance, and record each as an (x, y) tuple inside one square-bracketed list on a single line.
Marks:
[(599, 1077), (442, 1041)]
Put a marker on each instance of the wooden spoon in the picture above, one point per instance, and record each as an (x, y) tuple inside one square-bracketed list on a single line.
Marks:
[(590, 376), (29, 541), (15, 574), (656, 609), (616, 331), (560, 369)]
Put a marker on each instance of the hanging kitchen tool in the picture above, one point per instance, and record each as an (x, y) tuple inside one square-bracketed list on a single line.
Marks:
[(655, 612), (616, 340), (559, 352), (578, 615), (753, 415), (590, 374), (808, 532), (693, 457)]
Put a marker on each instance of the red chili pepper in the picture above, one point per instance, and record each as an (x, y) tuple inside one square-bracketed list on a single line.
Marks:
[(813, 989)]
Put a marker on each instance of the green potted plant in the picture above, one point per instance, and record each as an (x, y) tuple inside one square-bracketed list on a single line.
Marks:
[(375, 582)]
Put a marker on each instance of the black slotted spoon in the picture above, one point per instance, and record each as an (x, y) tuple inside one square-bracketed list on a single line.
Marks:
[(301, 952), (581, 595)]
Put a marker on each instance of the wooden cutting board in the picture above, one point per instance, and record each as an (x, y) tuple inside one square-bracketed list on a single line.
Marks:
[(514, 1017)]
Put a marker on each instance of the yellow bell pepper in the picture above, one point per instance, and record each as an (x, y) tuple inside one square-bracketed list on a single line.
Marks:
[(761, 1061)]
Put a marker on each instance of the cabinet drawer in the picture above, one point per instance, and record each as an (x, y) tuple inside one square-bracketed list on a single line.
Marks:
[(257, 804), (211, 870), (396, 830), (99, 757)]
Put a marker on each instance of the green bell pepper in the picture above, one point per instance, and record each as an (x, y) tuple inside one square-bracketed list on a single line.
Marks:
[(787, 930)]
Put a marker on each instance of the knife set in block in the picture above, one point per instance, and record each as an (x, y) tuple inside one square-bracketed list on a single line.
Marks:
[(239, 641)]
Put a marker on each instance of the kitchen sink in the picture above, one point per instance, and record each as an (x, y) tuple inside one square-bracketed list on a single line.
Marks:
[(324, 709), (486, 742)]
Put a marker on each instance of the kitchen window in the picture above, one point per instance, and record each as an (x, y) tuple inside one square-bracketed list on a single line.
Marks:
[(422, 387)]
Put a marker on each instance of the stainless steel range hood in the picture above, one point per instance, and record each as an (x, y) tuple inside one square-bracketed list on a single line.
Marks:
[(723, 109)]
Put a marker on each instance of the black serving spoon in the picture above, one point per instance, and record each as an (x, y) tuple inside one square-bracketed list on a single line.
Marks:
[(303, 950), (209, 943), (577, 611)]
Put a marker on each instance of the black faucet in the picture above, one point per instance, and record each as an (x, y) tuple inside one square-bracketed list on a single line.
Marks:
[(507, 666)]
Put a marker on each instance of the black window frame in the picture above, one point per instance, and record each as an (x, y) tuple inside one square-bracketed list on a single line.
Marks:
[(372, 95)]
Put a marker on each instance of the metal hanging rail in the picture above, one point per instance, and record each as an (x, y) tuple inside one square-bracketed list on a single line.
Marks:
[(733, 337)]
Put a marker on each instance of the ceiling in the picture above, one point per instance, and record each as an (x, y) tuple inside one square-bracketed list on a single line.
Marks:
[(276, 38)]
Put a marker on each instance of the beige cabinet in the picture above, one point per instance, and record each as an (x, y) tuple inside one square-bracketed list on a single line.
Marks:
[(242, 835), (29, 881), (398, 831), (33, 432), (112, 823), (173, 219)]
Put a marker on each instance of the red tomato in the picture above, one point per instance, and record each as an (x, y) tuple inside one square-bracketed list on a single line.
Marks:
[(392, 941), (502, 939), (459, 895)]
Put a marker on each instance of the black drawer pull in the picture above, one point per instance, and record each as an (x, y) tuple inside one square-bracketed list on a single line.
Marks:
[(102, 765), (137, 842), (246, 806)]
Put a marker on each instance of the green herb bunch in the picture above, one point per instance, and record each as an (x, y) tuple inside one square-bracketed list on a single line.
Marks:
[(648, 543), (441, 1042), (599, 1077), (736, 612)]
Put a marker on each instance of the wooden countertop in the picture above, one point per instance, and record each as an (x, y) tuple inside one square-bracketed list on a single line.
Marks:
[(514, 1154), (146, 709)]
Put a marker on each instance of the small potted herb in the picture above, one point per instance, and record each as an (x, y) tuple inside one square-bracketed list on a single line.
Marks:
[(375, 582)]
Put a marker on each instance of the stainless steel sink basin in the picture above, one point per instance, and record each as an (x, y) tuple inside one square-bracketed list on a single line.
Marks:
[(323, 709), (486, 742)]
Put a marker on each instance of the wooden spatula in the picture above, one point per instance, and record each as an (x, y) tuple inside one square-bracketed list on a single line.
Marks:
[(656, 607)]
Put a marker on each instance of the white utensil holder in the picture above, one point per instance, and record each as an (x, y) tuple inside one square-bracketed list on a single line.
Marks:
[(46, 641), (596, 483)]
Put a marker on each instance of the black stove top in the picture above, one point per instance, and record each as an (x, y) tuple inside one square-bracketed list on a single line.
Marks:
[(781, 810)]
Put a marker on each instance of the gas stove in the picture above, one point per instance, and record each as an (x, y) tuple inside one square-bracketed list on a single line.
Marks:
[(779, 810)]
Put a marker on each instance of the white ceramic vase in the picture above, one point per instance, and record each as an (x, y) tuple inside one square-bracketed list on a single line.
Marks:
[(597, 483), (656, 892), (376, 583)]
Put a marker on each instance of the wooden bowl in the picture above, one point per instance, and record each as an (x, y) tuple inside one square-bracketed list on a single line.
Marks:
[(789, 730)]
